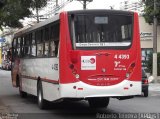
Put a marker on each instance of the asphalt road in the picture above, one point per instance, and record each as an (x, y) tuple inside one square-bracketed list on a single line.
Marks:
[(11, 103)]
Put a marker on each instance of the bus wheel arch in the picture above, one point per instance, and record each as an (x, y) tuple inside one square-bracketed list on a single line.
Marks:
[(18, 84)]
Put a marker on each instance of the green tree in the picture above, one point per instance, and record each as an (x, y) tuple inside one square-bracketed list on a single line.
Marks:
[(37, 4), (149, 11), (11, 11), (1, 3)]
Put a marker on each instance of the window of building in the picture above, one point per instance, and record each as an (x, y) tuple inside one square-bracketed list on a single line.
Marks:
[(145, 56)]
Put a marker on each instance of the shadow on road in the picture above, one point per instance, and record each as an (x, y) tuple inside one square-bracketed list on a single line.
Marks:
[(67, 110)]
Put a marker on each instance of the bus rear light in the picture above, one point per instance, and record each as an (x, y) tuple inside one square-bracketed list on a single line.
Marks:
[(77, 76), (71, 66), (127, 75), (74, 56), (74, 60), (130, 70), (74, 71)]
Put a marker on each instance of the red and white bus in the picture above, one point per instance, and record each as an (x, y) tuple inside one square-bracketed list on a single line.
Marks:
[(91, 55)]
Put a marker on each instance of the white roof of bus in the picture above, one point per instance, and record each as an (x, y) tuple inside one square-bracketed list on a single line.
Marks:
[(37, 25)]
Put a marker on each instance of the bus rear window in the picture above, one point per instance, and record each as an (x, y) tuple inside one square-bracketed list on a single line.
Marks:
[(101, 31)]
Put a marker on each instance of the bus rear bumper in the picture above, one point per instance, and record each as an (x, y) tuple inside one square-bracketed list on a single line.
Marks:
[(82, 90)]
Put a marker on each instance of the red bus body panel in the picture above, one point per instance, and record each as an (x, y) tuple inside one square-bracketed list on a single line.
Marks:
[(107, 72)]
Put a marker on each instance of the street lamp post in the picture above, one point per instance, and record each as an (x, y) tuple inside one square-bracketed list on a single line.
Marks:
[(154, 71), (56, 3)]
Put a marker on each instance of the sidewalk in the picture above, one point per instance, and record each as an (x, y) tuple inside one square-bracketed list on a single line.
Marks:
[(3, 109), (154, 86)]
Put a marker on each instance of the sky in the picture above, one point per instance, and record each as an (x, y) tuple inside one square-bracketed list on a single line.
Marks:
[(96, 4)]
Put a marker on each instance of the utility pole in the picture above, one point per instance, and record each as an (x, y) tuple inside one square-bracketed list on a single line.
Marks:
[(154, 71), (85, 3), (56, 3), (37, 14)]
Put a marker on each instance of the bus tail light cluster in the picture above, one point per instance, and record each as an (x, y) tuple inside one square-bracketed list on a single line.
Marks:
[(130, 70), (74, 71), (74, 56), (74, 60)]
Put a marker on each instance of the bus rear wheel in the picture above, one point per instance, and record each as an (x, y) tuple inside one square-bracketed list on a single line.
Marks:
[(98, 102), (41, 102)]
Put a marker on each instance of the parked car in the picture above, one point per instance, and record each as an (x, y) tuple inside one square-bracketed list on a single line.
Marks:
[(145, 84)]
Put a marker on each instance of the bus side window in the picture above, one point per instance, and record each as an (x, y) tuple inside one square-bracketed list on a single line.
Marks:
[(46, 50), (56, 47), (33, 51), (27, 49), (46, 41), (40, 42), (40, 50), (54, 37), (33, 46), (52, 49)]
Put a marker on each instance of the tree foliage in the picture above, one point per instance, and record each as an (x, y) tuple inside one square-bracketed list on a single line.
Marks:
[(38, 3), (149, 11), (14, 10)]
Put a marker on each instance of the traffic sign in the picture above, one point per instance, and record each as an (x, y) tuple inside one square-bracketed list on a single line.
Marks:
[(2, 40)]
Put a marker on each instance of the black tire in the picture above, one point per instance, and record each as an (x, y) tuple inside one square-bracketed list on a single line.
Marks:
[(42, 104), (145, 93), (98, 102), (21, 93)]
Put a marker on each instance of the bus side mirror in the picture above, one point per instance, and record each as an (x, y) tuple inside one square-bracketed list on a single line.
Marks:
[(74, 56)]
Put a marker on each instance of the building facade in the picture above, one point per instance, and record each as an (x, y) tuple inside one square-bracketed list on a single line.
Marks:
[(0, 57), (146, 37), (7, 34), (129, 5)]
